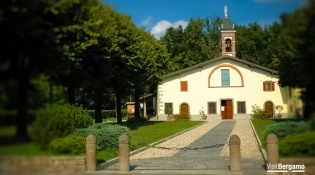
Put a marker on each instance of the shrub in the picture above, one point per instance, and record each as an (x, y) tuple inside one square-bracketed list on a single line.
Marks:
[(81, 117), (55, 121), (302, 144), (282, 129), (68, 145), (259, 113), (179, 117), (106, 134)]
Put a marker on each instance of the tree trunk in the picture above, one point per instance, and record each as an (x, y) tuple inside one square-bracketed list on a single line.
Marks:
[(71, 95), (22, 106), (137, 104), (118, 108), (98, 106)]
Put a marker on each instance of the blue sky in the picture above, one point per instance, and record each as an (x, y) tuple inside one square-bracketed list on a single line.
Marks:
[(158, 15)]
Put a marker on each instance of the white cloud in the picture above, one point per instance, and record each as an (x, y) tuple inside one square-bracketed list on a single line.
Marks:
[(160, 28), (147, 21)]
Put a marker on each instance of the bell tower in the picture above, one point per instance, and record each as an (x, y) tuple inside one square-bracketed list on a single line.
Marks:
[(227, 36)]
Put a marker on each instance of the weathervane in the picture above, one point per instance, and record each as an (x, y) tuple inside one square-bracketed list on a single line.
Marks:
[(225, 11)]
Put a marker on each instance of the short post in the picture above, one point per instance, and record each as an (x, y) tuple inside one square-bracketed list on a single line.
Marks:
[(272, 149), (124, 161), (235, 153), (91, 153)]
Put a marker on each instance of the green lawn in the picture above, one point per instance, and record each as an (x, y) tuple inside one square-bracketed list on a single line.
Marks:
[(142, 133), (148, 132), (260, 126)]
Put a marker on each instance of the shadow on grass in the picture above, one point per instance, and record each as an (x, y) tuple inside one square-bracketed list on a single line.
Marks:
[(12, 140), (137, 124)]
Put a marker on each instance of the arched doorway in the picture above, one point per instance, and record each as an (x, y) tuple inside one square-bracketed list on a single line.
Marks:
[(184, 109), (269, 108)]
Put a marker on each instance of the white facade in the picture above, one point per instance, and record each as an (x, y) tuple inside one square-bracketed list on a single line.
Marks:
[(204, 85)]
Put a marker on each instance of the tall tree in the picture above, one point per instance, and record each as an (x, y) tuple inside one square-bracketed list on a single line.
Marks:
[(30, 45), (198, 42), (254, 44), (297, 62), (149, 60)]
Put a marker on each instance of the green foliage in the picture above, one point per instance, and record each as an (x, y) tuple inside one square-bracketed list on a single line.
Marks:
[(106, 134), (282, 129), (68, 145), (297, 36), (81, 118), (259, 113), (55, 121), (189, 46), (255, 44), (180, 117), (301, 144), (43, 91)]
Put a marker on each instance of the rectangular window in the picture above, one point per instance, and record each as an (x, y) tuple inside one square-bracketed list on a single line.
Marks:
[(168, 108), (269, 86), (183, 86), (225, 77), (241, 108), (212, 108)]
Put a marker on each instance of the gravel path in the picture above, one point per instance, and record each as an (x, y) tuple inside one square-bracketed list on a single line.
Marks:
[(249, 146), (210, 133), (180, 141)]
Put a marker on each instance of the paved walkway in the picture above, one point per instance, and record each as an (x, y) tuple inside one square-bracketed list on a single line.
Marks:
[(204, 159)]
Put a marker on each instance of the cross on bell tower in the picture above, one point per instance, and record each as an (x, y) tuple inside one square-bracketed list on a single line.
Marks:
[(227, 35)]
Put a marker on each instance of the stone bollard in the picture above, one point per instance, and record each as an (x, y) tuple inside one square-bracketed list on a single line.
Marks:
[(235, 153), (124, 161), (272, 149), (91, 153)]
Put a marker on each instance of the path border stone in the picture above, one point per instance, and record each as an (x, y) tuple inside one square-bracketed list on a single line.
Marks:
[(116, 160), (262, 150)]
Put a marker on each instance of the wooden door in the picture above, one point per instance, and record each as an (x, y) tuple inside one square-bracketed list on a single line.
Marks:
[(229, 109), (223, 109), (184, 110), (269, 108), (226, 109)]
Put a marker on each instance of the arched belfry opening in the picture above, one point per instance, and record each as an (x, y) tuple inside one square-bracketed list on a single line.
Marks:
[(227, 35), (228, 45)]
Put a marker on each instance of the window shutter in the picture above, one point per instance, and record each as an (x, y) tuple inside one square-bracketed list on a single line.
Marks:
[(264, 86), (273, 86), (183, 86)]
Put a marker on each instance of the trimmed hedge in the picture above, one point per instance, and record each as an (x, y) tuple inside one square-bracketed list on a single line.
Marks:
[(302, 144), (108, 113)]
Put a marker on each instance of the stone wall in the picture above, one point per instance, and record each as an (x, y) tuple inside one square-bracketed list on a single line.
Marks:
[(49, 164)]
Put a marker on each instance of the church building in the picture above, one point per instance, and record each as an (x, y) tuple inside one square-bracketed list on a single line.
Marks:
[(225, 87)]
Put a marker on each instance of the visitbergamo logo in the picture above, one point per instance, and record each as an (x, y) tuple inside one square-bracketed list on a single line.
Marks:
[(279, 167)]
